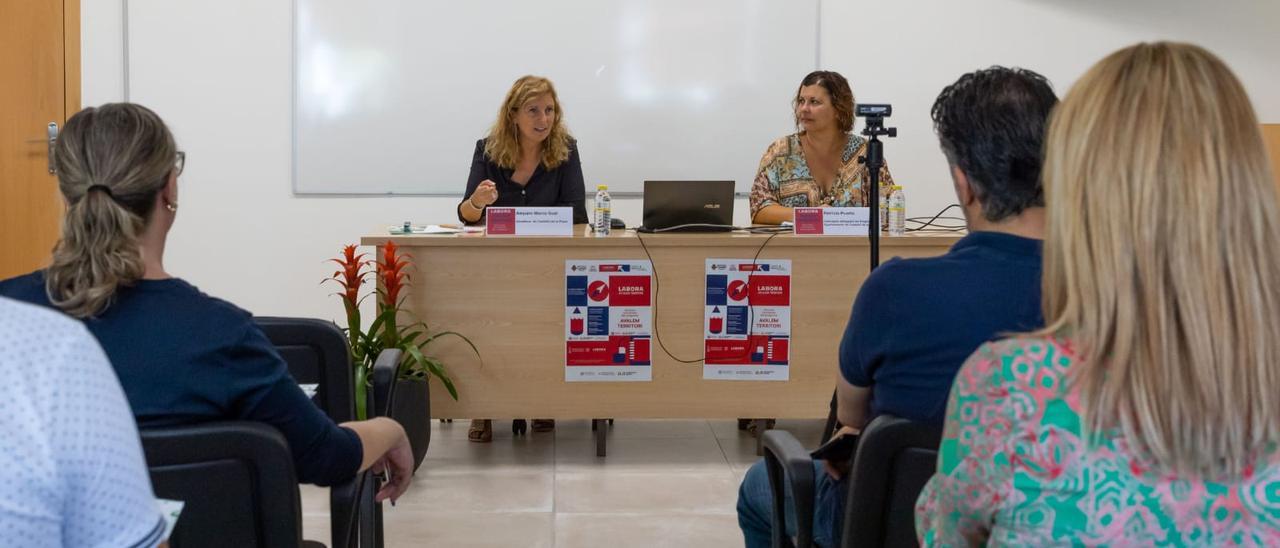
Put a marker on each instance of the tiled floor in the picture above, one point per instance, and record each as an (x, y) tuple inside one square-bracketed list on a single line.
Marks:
[(664, 483)]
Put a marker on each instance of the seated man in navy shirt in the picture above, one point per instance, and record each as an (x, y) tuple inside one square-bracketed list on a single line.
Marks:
[(916, 320)]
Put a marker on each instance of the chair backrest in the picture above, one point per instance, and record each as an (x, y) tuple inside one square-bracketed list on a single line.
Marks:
[(235, 478), (317, 353), (895, 458)]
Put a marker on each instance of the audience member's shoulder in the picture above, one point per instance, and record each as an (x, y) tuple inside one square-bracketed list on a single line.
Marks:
[(1022, 360), (33, 334), (15, 313), (212, 309), (950, 267), (894, 273), (28, 288)]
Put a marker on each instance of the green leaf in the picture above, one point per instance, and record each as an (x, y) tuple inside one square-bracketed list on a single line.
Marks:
[(378, 325), (409, 339), (458, 335), (413, 328), (362, 386), (436, 369)]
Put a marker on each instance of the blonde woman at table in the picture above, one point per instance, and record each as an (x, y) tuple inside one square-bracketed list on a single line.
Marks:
[(818, 164), (1145, 412), (528, 159)]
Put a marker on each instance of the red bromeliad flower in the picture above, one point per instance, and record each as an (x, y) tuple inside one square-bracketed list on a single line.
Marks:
[(392, 274), (391, 271), (352, 275)]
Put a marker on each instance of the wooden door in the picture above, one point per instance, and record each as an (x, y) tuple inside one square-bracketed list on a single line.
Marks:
[(40, 69), (1271, 134)]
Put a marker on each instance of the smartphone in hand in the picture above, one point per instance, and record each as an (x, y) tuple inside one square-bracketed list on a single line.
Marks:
[(839, 449)]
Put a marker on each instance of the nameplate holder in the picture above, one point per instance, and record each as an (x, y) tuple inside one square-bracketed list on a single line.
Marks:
[(529, 221), (832, 221)]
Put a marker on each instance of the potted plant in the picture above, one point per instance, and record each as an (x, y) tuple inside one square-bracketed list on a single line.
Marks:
[(412, 405)]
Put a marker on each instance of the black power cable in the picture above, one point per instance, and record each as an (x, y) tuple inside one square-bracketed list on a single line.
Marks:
[(657, 335), (948, 228)]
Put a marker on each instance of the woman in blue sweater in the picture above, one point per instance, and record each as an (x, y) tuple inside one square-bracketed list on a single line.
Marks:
[(182, 356)]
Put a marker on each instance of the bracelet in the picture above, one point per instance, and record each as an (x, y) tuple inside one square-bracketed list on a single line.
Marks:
[(473, 205)]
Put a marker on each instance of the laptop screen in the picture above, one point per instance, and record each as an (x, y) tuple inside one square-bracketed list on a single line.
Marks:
[(670, 204)]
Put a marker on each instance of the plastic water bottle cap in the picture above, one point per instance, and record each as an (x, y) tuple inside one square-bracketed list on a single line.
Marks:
[(602, 187)]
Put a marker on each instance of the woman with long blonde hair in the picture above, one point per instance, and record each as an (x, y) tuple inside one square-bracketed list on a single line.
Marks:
[(1147, 411), (528, 159)]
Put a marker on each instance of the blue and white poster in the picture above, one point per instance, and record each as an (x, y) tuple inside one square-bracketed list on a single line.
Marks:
[(608, 318), (747, 327)]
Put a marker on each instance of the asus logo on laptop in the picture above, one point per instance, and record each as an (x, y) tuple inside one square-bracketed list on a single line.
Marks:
[(711, 206)]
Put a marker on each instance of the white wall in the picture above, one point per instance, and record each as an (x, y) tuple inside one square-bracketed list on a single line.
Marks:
[(650, 68), (223, 84), (914, 49)]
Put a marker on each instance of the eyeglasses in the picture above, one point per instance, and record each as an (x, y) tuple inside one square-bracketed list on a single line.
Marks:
[(180, 163)]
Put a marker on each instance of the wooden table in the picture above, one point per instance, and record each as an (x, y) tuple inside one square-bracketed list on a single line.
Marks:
[(507, 295)]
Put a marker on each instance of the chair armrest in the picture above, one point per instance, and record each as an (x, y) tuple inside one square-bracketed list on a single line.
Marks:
[(385, 373), (344, 511), (385, 370), (789, 465)]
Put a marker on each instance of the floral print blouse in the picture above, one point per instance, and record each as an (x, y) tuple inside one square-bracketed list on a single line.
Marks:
[(784, 178), (1013, 470)]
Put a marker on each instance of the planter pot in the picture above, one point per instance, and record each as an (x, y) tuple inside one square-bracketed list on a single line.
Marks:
[(412, 409)]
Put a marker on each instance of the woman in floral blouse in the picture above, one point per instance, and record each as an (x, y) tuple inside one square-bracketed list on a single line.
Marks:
[(1147, 412), (818, 165)]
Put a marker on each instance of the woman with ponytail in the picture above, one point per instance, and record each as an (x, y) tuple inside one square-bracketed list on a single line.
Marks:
[(182, 356)]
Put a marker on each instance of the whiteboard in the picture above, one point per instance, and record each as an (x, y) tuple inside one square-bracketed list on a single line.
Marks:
[(389, 96)]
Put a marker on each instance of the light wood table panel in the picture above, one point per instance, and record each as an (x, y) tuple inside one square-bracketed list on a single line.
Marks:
[(507, 294)]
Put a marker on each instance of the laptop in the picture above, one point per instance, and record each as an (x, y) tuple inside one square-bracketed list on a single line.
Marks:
[(688, 206)]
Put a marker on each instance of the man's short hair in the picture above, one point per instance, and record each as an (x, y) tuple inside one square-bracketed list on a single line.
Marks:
[(991, 124)]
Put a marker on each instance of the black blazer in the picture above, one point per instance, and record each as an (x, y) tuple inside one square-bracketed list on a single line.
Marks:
[(562, 186)]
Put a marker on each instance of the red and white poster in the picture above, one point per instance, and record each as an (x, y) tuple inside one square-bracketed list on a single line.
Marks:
[(747, 329), (608, 320)]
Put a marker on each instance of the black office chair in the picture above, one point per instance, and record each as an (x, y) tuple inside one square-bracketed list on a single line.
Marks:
[(236, 479), (894, 459), (316, 352)]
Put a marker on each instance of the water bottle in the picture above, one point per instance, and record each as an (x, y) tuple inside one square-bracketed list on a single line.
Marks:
[(884, 212), (603, 210), (897, 212)]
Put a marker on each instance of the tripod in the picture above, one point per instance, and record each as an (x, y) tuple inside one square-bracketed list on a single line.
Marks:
[(874, 160)]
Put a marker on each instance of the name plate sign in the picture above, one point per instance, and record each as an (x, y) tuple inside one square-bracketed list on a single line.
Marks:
[(832, 221), (529, 221)]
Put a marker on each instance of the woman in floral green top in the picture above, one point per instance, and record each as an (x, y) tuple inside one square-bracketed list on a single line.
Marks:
[(1147, 412), (818, 165)]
